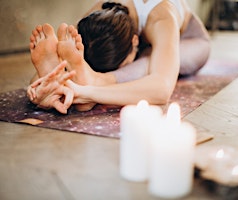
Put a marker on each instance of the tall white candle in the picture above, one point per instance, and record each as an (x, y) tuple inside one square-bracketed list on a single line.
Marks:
[(172, 151), (136, 123)]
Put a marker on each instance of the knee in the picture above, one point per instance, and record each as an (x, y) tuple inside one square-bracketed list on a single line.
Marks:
[(195, 59)]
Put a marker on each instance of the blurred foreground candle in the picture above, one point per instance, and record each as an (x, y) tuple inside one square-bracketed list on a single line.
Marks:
[(172, 156), (219, 163), (136, 124)]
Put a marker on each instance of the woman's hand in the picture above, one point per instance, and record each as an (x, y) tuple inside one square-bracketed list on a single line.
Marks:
[(50, 91), (81, 100)]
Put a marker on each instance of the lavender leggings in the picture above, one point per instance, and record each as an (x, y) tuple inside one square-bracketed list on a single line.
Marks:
[(194, 53), (195, 36)]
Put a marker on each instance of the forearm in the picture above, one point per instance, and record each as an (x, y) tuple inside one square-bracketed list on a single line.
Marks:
[(156, 88), (126, 93), (130, 72), (133, 71)]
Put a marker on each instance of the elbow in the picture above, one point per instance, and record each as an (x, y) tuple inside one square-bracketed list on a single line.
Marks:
[(161, 95), (162, 98), (165, 98)]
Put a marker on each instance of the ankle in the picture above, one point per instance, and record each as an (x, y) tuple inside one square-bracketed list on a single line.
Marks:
[(84, 75)]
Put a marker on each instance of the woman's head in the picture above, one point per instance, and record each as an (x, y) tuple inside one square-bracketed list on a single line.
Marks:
[(107, 36)]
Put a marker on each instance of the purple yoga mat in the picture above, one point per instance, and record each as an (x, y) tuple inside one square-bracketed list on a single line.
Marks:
[(103, 120)]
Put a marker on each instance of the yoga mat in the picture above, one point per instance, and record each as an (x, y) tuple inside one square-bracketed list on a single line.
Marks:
[(103, 120)]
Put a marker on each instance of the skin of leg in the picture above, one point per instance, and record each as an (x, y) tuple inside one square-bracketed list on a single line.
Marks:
[(70, 48), (74, 64), (43, 45), (43, 48)]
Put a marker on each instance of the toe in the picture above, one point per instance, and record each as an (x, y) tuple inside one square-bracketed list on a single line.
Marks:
[(78, 38), (38, 33), (73, 31), (32, 38), (39, 28), (31, 45), (48, 30), (35, 33), (62, 32), (79, 44)]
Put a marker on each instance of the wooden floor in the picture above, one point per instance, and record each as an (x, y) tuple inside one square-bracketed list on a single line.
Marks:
[(38, 163)]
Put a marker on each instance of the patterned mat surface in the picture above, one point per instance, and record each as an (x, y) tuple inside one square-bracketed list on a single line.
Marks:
[(190, 92)]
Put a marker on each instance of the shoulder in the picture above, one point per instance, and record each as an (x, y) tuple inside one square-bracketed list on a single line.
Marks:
[(162, 11), (177, 11), (163, 21)]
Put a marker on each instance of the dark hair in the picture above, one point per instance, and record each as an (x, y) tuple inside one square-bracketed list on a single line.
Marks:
[(107, 36)]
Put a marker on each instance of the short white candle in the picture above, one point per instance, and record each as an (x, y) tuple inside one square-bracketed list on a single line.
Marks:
[(136, 122), (222, 160), (172, 154), (234, 171)]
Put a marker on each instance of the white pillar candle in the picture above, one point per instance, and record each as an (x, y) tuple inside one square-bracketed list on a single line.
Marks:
[(136, 122), (172, 154)]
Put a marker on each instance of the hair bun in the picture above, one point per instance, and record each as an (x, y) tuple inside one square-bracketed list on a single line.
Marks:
[(115, 6)]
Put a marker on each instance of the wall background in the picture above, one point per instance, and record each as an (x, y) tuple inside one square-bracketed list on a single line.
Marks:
[(19, 17)]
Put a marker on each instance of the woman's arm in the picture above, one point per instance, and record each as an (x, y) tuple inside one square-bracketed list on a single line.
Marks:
[(156, 87), (163, 33)]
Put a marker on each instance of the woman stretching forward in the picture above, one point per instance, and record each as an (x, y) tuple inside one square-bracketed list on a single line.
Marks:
[(126, 51)]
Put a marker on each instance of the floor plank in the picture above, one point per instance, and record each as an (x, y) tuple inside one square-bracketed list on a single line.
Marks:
[(219, 116)]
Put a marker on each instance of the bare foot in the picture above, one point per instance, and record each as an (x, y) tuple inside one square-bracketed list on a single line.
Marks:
[(70, 48), (43, 47)]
